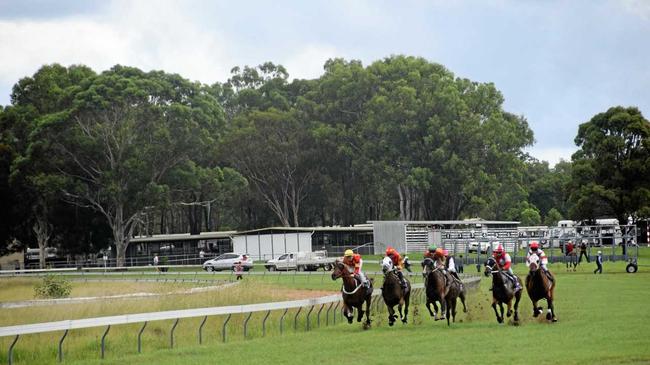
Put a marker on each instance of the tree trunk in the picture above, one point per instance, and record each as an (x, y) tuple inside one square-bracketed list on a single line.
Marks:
[(42, 229)]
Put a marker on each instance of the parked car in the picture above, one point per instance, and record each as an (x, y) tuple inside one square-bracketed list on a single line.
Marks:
[(301, 261), (228, 261), (473, 246)]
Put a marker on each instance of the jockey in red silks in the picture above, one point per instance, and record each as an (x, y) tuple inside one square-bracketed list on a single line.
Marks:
[(534, 249), (505, 263), (353, 263), (397, 263)]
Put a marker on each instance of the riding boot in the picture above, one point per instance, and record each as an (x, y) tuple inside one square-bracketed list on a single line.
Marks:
[(402, 282)]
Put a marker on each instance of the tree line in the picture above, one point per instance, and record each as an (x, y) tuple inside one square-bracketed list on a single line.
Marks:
[(90, 159)]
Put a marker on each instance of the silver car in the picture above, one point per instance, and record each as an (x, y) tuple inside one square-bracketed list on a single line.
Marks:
[(228, 261)]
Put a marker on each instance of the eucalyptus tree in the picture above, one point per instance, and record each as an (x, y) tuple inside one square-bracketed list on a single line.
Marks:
[(127, 131), (611, 169)]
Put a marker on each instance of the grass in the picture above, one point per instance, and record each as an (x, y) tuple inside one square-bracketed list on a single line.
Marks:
[(602, 319)]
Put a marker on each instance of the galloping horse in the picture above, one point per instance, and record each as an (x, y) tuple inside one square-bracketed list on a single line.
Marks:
[(354, 294), (437, 286), (539, 286), (503, 290), (393, 293), (455, 291)]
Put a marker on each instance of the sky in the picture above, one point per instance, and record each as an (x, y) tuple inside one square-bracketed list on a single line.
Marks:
[(557, 63)]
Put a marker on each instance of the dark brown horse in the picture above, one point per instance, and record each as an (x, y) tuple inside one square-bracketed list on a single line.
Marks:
[(393, 293), (437, 286), (354, 294), (540, 286), (456, 290), (503, 290)]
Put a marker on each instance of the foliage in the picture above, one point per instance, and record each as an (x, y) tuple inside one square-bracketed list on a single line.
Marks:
[(611, 172), (552, 217), (53, 286)]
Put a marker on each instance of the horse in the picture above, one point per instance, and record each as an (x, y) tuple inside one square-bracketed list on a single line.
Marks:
[(456, 290), (540, 286), (503, 290), (393, 293), (437, 287), (354, 294)]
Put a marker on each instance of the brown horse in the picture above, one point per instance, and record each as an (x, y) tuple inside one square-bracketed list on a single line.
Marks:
[(393, 293), (354, 294), (540, 286), (572, 258), (456, 290), (503, 290), (437, 287)]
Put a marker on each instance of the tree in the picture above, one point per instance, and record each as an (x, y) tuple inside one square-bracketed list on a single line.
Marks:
[(530, 217), (552, 217), (126, 132), (611, 172)]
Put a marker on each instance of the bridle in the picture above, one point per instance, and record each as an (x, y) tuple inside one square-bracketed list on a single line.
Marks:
[(341, 268)]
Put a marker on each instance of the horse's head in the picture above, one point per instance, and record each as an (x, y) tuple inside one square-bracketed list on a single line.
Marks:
[(427, 266), (533, 262), (339, 269), (490, 265), (386, 264)]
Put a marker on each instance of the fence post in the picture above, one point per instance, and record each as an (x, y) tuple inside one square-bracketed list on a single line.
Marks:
[(264, 323), (327, 314), (140, 337), (295, 319), (246, 324), (282, 319), (308, 314), (61, 345), (10, 355), (335, 309), (172, 332), (104, 338), (318, 316), (201, 329), (223, 328)]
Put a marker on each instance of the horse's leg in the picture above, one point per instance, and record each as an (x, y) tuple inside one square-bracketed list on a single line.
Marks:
[(551, 308), (348, 312), (454, 303), (391, 314), (448, 305), (407, 300), (428, 305), (496, 313), (509, 304), (368, 305), (443, 307), (536, 310), (435, 310), (360, 312), (462, 300), (501, 310), (517, 299)]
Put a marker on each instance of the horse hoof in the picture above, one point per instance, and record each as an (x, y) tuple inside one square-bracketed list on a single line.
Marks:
[(350, 320), (404, 321), (391, 323), (509, 314), (554, 320), (548, 316)]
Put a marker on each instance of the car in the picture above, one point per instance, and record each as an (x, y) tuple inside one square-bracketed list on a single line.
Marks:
[(228, 261), (474, 245)]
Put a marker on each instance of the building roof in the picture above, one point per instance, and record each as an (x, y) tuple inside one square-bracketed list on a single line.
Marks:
[(452, 222), (356, 228), (183, 236)]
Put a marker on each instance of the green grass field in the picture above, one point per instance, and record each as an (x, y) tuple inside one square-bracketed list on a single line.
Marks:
[(602, 319)]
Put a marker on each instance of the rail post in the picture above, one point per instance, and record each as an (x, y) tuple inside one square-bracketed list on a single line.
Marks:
[(10, 355), (308, 314), (246, 324), (327, 314), (282, 319), (223, 328), (318, 315), (140, 337), (104, 339), (172, 333), (201, 329), (335, 309), (264, 323), (295, 319), (61, 345)]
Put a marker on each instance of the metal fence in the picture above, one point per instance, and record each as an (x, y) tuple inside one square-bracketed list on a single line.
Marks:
[(328, 304)]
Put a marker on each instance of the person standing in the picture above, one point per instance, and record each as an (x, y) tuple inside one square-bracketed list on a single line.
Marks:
[(599, 263), (583, 251)]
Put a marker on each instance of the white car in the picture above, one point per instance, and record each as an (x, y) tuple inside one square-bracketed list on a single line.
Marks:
[(474, 246), (228, 261)]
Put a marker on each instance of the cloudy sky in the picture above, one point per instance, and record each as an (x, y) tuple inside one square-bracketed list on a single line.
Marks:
[(556, 62)]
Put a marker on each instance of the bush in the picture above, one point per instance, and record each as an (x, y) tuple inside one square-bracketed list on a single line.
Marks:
[(53, 287)]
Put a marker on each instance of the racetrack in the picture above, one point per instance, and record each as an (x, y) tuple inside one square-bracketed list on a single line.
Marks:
[(602, 319)]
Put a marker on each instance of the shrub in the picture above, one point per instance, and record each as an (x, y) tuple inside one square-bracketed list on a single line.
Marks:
[(53, 287)]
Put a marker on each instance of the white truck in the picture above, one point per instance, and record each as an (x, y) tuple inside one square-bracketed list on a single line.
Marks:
[(301, 261)]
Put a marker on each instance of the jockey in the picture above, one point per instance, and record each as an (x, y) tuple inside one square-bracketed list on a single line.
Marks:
[(353, 263), (430, 251), (398, 264), (505, 263), (534, 249), (451, 267)]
